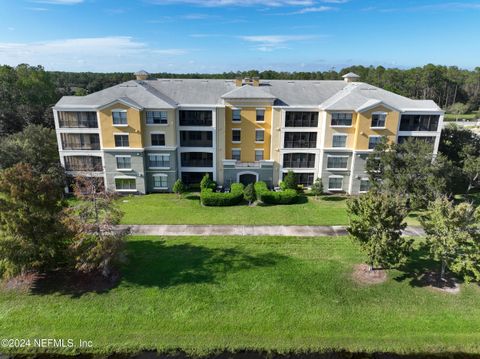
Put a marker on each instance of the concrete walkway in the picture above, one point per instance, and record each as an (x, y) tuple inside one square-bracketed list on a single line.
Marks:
[(242, 230)]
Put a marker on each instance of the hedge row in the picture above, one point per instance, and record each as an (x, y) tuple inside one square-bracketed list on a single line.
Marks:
[(232, 198), (288, 196)]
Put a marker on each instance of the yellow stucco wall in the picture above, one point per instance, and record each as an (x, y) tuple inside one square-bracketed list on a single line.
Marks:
[(134, 128), (349, 131), (364, 129), (248, 125), (169, 129)]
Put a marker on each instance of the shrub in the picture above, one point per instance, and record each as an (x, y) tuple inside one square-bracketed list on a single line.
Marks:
[(206, 182), (179, 187), (249, 194), (317, 188), (288, 196), (290, 181), (214, 199)]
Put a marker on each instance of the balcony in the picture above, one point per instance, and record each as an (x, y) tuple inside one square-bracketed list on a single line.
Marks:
[(195, 118), (196, 139), (83, 163), (71, 141), (77, 119)]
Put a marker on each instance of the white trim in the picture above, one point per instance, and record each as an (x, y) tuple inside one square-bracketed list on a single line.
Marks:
[(335, 189), (125, 177), (256, 114), (368, 144), (258, 130), (158, 133), (236, 149), (147, 167), (263, 155), (231, 135), (340, 134), (337, 169), (123, 156), (360, 180), (160, 175), (121, 134), (236, 109), (385, 120)]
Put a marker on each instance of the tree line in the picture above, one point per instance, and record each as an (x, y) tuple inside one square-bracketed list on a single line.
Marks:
[(27, 93)]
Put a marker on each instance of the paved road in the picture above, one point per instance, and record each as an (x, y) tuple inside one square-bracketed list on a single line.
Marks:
[(241, 230)]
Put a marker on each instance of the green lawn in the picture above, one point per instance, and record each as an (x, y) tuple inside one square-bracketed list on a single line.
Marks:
[(277, 293), (452, 117), (169, 209)]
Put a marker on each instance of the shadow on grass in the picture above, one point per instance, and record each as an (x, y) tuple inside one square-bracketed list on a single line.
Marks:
[(333, 198), (421, 271), (192, 197), (155, 264)]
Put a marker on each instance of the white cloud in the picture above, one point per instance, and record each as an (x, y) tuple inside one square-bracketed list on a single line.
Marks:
[(113, 53), (59, 2), (274, 42), (313, 9), (219, 3)]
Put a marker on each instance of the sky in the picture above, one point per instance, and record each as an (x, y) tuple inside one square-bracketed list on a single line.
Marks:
[(211, 36)]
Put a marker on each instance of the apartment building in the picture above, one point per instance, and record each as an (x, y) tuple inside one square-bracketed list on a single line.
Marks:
[(141, 135)]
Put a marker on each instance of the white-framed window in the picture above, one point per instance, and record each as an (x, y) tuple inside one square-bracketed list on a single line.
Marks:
[(158, 161), (364, 185), (156, 117), (335, 183), (258, 155), (259, 135), (124, 163), (236, 115), (121, 140), (337, 162), (373, 141), (260, 115), (236, 135), (119, 117), (157, 139), (339, 141), (341, 119), (160, 181), (236, 154), (379, 120), (125, 184)]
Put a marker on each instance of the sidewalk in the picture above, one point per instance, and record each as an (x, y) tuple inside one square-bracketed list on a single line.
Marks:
[(243, 230)]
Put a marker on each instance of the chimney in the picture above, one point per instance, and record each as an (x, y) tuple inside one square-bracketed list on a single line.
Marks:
[(141, 75), (350, 77), (238, 82), (256, 81)]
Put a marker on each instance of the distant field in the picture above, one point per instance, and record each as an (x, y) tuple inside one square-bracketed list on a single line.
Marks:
[(452, 117), (207, 294)]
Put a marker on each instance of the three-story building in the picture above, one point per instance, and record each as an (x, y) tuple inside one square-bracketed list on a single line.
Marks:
[(141, 135)]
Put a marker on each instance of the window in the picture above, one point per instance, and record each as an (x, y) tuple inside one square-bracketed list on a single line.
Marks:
[(157, 118), (258, 155), (304, 179), (158, 139), (300, 140), (125, 184), (339, 141), (119, 117), (196, 139), (121, 141), (373, 141), (299, 160), (236, 115), (80, 141), (343, 119), (378, 120), (195, 118), (364, 185), (419, 122), (159, 161), (335, 183), (236, 154), (160, 181), (259, 135), (77, 119), (236, 135), (124, 162), (260, 115), (337, 162), (83, 163), (196, 159), (301, 119)]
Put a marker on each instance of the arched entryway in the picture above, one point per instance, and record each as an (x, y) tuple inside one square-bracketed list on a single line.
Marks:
[(247, 177)]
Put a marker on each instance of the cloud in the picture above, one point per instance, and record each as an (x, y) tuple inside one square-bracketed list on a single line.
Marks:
[(243, 3), (267, 43), (111, 53), (313, 9), (450, 6), (59, 2)]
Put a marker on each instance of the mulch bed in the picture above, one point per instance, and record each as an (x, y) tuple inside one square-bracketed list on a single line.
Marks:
[(363, 275)]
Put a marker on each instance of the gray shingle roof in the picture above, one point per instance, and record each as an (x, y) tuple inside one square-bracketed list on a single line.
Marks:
[(170, 93)]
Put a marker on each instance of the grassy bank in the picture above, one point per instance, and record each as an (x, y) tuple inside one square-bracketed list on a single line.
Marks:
[(284, 294)]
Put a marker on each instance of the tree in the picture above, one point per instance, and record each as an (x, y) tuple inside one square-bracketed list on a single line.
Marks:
[(249, 194), (97, 245), (458, 109), (409, 169), (376, 223), (317, 188), (31, 234), (453, 237), (206, 182), (290, 181), (179, 187), (471, 169)]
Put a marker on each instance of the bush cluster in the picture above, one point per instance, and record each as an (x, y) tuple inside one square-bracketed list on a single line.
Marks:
[(232, 198), (288, 196)]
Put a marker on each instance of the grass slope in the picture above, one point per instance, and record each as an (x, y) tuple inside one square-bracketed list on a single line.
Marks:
[(284, 294), (169, 209)]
